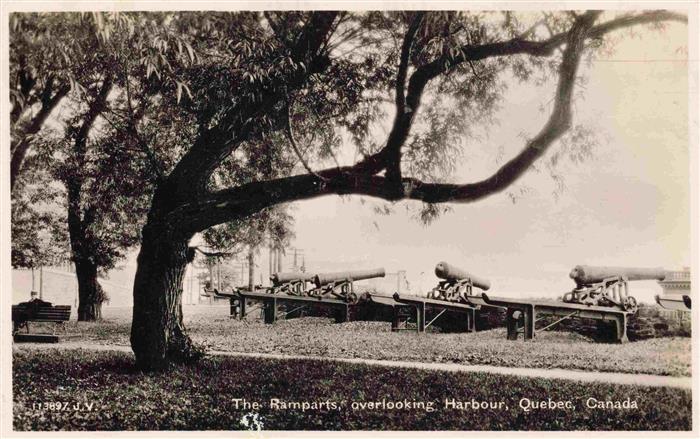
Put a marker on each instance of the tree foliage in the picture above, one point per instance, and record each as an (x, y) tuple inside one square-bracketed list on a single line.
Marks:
[(444, 72), (273, 226), (39, 233), (105, 165)]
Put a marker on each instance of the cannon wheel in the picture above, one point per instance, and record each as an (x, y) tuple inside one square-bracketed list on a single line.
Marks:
[(630, 304)]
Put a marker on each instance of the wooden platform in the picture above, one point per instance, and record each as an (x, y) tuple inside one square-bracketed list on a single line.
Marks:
[(270, 302), (521, 315), (421, 304), (290, 297), (381, 299)]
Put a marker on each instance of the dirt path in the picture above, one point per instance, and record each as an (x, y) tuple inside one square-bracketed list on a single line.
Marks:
[(564, 374)]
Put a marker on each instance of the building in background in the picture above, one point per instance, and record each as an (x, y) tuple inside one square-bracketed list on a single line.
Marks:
[(676, 292)]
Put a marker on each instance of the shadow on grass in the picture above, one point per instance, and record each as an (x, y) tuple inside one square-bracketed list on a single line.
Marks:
[(313, 395)]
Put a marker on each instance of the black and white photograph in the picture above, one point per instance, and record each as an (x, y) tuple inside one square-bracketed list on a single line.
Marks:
[(257, 218)]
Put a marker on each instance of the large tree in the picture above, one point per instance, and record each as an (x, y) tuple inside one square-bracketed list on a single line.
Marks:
[(295, 81)]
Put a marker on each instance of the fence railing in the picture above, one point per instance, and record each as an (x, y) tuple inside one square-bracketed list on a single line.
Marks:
[(677, 275)]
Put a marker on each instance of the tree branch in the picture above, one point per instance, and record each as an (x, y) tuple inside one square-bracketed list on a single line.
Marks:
[(275, 27), (404, 60), (20, 143), (406, 106), (133, 118), (95, 108), (188, 179), (290, 137), (425, 73), (241, 201), (238, 201), (79, 220), (25, 83), (540, 48)]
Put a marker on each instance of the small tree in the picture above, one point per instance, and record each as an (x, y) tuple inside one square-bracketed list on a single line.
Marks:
[(39, 235), (273, 226)]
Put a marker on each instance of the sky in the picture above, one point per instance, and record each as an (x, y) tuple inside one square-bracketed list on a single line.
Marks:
[(628, 205)]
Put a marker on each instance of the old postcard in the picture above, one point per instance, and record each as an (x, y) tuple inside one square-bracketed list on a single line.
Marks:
[(265, 218)]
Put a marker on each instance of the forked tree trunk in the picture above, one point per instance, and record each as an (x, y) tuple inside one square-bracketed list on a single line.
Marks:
[(90, 293), (80, 220), (158, 335)]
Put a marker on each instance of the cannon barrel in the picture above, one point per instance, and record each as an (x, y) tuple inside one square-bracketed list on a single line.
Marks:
[(586, 274), (326, 278), (443, 270), (290, 276)]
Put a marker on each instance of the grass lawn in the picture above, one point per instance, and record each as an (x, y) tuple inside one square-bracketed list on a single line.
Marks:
[(212, 327), (100, 390)]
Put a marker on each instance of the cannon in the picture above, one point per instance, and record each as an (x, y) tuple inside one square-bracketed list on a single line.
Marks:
[(587, 275), (340, 284), (443, 270), (291, 282), (457, 285), (327, 278), (607, 286)]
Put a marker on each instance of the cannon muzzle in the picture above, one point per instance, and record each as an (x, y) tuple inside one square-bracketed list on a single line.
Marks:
[(290, 276), (586, 274), (443, 270), (326, 278)]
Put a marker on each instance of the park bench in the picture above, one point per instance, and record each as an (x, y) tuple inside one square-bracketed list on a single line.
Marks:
[(27, 312)]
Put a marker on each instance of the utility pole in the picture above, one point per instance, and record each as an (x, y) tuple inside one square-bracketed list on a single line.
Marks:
[(297, 256), (191, 280), (218, 273), (242, 272), (251, 268), (270, 265), (401, 275)]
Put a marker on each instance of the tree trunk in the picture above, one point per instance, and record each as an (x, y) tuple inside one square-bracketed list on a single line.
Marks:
[(90, 293), (158, 334)]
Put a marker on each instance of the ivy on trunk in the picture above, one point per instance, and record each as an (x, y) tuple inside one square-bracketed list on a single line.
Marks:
[(158, 334)]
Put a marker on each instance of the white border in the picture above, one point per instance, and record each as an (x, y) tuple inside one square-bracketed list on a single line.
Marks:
[(691, 7)]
